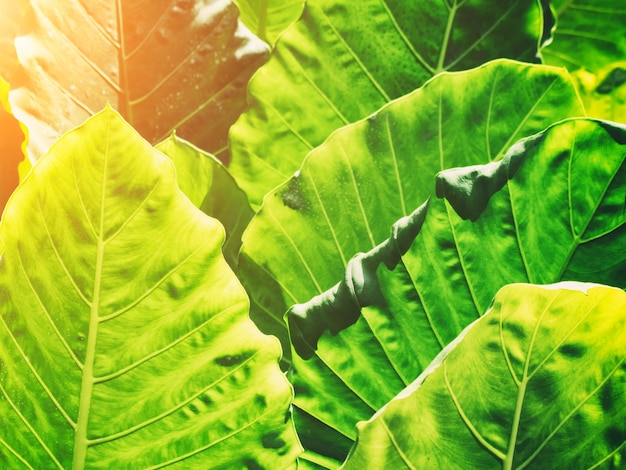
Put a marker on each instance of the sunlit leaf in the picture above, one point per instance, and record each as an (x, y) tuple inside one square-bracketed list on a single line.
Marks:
[(343, 60), (180, 65), (125, 340), (538, 382), (558, 217)]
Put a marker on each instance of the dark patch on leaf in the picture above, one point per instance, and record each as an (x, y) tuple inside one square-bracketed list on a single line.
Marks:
[(573, 350), (260, 400), (231, 360), (292, 196), (614, 79), (273, 440), (251, 464)]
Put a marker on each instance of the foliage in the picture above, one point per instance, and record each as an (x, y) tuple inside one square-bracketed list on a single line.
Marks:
[(407, 190)]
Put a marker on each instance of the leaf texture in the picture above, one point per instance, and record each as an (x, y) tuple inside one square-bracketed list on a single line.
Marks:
[(538, 382), (559, 216), (343, 60), (180, 65), (300, 242), (590, 34), (302, 239), (125, 339), (205, 180), (268, 18)]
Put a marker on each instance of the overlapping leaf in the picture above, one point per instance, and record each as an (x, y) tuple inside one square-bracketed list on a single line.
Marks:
[(538, 382), (176, 65), (343, 60), (300, 242), (590, 34), (210, 187), (124, 336), (268, 18), (558, 217)]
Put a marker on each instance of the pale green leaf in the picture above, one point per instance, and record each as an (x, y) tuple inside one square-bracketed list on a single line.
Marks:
[(603, 93), (125, 340), (343, 60), (203, 178), (180, 65), (538, 382), (559, 215)]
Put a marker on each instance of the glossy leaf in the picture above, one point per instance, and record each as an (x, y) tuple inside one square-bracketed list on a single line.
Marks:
[(180, 65), (125, 340), (590, 34), (203, 178), (538, 382), (383, 167), (268, 18), (559, 216), (343, 60)]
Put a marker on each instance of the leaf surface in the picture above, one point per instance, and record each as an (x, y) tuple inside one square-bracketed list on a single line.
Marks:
[(590, 34), (558, 216), (180, 65), (125, 340), (537, 382), (203, 178), (343, 60), (268, 18), (383, 167)]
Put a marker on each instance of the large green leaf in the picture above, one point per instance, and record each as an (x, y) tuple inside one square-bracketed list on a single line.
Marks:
[(590, 34), (343, 60), (164, 65), (538, 382), (268, 18), (559, 216), (203, 178), (382, 167), (124, 337)]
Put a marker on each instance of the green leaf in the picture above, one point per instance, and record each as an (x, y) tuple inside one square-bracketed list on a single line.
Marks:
[(560, 216), (537, 382), (590, 34), (343, 60), (268, 18), (180, 65), (203, 178), (125, 340), (383, 167)]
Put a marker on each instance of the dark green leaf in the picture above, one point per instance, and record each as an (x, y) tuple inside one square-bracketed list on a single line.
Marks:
[(343, 60)]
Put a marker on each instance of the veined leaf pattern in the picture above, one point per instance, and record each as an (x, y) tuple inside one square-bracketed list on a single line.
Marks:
[(558, 217), (180, 64), (124, 336), (299, 243), (537, 382), (343, 60)]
